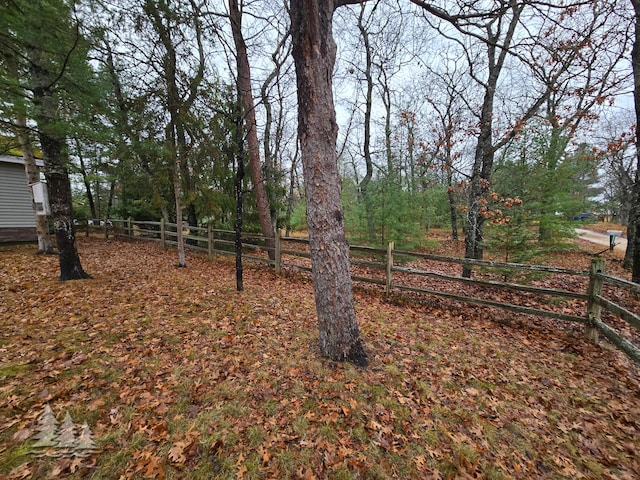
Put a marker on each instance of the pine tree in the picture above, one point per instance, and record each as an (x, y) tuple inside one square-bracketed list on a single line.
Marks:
[(67, 436), (66, 439), (85, 445), (47, 432)]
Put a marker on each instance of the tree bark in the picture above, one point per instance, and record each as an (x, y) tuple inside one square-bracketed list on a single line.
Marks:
[(453, 211), (178, 106), (314, 54), (53, 149), (627, 262), (45, 244), (87, 183), (272, 168), (366, 143), (632, 254), (239, 191), (482, 169), (244, 84)]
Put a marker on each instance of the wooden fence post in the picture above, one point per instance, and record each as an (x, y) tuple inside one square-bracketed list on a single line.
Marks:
[(389, 266), (130, 227), (163, 234), (209, 241), (106, 228), (278, 252), (593, 306)]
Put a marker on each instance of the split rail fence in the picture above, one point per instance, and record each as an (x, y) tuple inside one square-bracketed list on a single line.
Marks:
[(394, 274)]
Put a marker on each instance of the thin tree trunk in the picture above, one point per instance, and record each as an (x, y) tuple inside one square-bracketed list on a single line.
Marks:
[(239, 180), (482, 169), (314, 54), (112, 190), (634, 214), (177, 105), (271, 155), (366, 144), (87, 183), (45, 244), (244, 83), (386, 100), (177, 190), (627, 262), (453, 211), (292, 185)]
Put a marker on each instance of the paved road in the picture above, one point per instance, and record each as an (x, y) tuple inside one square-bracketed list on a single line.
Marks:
[(601, 239)]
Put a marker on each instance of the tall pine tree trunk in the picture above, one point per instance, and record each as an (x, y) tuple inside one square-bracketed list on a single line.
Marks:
[(314, 54), (55, 161)]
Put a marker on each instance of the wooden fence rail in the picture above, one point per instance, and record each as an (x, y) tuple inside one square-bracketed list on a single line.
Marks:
[(215, 241)]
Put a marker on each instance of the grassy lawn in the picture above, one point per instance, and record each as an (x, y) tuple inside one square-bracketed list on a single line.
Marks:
[(181, 377)]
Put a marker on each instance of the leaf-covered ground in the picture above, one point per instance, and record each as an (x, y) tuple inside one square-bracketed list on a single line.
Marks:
[(180, 376)]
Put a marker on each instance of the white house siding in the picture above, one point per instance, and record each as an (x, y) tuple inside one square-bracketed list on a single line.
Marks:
[(17, 220)]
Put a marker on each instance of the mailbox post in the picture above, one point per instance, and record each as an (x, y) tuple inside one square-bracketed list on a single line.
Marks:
[(612, 237)]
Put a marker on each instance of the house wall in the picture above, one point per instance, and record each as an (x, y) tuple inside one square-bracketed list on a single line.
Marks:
[(17, 221)]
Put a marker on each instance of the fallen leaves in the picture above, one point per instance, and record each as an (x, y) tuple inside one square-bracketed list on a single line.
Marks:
[(147, 464), (185, 450), (182, 377), (22, 472)]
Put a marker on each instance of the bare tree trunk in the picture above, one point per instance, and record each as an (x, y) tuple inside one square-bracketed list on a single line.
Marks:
[(627, 262), (314, 54), (272, 171), (632, 254), (55, 155), (453, 211), (45, 245), (244, 83), (239, 180), (290, 199), (366, 145), (482, 169), (177, 190), (386, 100), (87, 183), (177, 105), (53, 148)]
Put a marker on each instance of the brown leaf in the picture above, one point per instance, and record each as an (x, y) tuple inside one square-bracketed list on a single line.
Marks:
[(21, 473), (176, 452), (23, 434), (62, 467), (154, 468)]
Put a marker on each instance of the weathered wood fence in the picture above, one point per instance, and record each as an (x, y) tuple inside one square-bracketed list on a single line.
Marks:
[(395, 275)]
